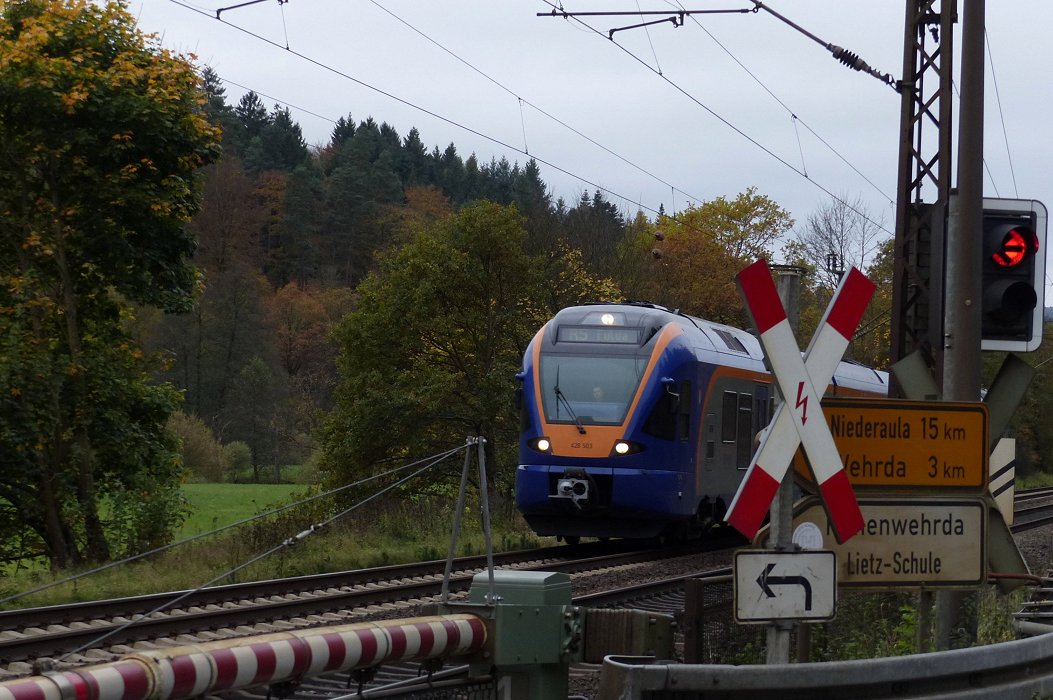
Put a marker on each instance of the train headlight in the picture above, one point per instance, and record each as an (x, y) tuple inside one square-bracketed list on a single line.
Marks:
[(626, 447), (541, 444)]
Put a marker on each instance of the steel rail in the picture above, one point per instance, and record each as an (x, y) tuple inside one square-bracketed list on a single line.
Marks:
[(47, 640)]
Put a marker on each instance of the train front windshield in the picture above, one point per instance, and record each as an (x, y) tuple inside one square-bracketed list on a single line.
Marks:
[(590, 389)]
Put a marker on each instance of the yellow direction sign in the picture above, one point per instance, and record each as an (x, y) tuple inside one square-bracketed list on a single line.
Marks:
[(888, 444), (905, 542)]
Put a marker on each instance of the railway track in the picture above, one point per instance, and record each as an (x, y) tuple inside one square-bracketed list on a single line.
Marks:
[(94, 631), (1032, 509), (97, 628)]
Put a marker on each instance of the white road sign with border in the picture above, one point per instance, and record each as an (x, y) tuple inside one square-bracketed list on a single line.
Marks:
[(773, 585), (906, 542)]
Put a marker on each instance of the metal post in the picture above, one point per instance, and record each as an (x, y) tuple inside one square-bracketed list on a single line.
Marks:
[(924, 163), (788, 283), (963, 288), (923, 636), (484, 505), (458, 510)]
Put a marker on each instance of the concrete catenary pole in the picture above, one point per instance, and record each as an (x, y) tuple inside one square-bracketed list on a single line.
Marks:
[(961, 350)]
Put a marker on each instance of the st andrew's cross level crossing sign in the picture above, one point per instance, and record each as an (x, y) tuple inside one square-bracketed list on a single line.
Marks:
[(798, 420)]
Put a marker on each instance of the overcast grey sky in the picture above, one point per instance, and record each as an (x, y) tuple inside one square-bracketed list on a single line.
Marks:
[(658, 116)]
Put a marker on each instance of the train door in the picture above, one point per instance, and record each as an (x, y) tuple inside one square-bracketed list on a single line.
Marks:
[(736, 410), (744, 433), (761, 407)]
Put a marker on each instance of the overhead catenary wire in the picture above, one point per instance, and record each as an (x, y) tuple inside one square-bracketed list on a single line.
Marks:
[(452, 122), (650, 43), (278, 100), (523, 100), (727, 123), (417, 107), (1001, 113), (843, 55), (987, 166), (800, 148), (554, 166), (281, 8), (797, 119)]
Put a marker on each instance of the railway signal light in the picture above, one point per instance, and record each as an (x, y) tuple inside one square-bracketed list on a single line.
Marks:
[(1014, 271)]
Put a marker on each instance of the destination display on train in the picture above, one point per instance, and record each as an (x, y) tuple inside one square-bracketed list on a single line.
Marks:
[(905, 542), (910, 445), (598, 334)]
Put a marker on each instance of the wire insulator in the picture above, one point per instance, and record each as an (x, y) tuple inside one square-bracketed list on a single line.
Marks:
[(849, 59), (854, 62)]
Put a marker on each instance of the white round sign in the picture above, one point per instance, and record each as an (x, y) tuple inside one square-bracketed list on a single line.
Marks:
[(807, 535)]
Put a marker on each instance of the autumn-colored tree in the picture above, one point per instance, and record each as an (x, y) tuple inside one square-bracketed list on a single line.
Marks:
[(229, 221), (302, 321), (872, 342), (705, 246), (101, 134), (637, 259)]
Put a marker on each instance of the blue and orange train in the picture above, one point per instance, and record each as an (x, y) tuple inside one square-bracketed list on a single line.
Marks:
[(638, 421)]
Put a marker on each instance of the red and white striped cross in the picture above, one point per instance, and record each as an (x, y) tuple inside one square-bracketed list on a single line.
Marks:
[(798, 419)]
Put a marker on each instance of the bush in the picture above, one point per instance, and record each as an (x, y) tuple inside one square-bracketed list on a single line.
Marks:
[(237, 456), (202, 454), (308, 472)]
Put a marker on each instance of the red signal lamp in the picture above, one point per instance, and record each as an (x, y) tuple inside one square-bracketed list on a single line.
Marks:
[(1015, 247), (1013, 273)]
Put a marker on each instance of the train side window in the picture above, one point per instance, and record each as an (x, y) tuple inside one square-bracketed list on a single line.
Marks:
[(684, 406), (711, 446), (761, 416), (662, 421), (728, 420), (760, 396), (744, 431)]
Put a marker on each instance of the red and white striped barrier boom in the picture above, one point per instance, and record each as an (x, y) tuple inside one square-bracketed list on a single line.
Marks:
[(799, 418), (193, 671)]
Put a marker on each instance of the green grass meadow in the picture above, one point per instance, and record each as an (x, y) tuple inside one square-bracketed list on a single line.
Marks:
[(397, 528), (216, 505)]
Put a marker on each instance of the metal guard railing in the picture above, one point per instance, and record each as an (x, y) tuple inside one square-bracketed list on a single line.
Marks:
[(1019, 669)]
